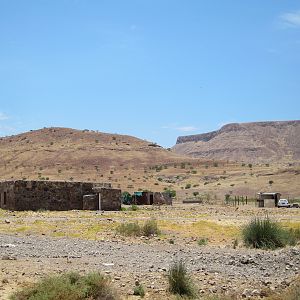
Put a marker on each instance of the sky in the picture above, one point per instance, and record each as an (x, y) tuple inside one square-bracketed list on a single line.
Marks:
[(154, 69)]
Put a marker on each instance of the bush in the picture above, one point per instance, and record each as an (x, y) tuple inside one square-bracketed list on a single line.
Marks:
[(134, 207), (139, 291), (150, 228), (129, 229), (171, 193), (179, 282), (70, 286), (202, 241), (266, 234)]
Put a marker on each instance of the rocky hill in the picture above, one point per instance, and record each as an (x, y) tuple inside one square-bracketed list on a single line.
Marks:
[(249, 142), (61, 153), (133, 164)]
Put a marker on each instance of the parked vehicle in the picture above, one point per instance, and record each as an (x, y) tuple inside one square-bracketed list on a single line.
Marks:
[(283, 203), (295, 205)]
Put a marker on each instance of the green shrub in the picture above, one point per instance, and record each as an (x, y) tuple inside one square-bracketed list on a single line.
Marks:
[(134, 207), (188, 186), (179, 281), (129, 229), (70, 286), (294, 236), (266, 234), (202, 241), (171, 193), (150, 228), (139, 291)]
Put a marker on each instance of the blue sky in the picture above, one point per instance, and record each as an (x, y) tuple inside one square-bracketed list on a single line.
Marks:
[(155, 69)]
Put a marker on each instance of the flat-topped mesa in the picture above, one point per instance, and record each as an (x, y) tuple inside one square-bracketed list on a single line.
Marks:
[(205, 137), (253, 142)]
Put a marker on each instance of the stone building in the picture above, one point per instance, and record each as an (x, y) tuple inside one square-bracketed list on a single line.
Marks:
[(268, 199), (149, 198), (53, 195), (103, 199)]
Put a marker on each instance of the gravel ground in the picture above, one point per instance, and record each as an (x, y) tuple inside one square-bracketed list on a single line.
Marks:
[(246, 272)]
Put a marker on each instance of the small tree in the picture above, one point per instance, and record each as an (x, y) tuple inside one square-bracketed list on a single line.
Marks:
[(171, 193)]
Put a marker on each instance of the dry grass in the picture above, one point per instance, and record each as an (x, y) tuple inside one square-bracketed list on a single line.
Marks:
[(182, 221), (130, 164)]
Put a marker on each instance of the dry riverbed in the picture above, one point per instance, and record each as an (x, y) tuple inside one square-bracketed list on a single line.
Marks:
[(35, 244)]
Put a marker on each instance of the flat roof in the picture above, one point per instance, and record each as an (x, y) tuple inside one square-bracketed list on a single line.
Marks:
[(268, 193)]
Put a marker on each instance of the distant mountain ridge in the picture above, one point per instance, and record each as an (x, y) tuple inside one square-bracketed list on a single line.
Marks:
[(253, 142)]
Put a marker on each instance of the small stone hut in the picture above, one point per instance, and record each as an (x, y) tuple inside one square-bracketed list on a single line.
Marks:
[(268, 199), (53, 195), (103, 199), (150, 198)]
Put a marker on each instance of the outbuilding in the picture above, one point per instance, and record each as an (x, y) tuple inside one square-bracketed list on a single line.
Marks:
[(55, 195), (268, 199), (150, 198)]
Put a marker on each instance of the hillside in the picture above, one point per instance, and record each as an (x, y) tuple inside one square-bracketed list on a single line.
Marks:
[(133, 164), (63, 148), (245, 142)]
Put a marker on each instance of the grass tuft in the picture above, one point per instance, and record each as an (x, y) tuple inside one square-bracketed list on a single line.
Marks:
[(179, 281), (139, 291), (150, 228), (267, 234), (202, 241), (129, 229), (70, 286)]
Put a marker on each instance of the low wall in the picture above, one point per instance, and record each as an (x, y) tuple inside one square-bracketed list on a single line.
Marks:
[(110, 200), (47, 195)]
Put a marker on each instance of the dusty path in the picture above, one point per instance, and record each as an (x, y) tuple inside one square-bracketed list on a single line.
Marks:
[(214, 269)]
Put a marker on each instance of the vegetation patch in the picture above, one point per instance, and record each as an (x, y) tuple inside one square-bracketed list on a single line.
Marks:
[(180, 282), (129, 229), (149, 228), (139, 291), (202, 241), (268, 234), (70, 286)]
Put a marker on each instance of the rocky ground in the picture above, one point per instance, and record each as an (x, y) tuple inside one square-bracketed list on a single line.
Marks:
[(215, 268)]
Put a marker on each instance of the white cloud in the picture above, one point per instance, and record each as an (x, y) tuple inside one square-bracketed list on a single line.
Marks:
[(186, 128), (291, 19), (6, 130), (3, 116), (180, 128)]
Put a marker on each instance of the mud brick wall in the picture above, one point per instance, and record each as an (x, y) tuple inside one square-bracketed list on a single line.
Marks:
[(110, 200), (48, 195), (7, 197), (162, 198), (91, 202)]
